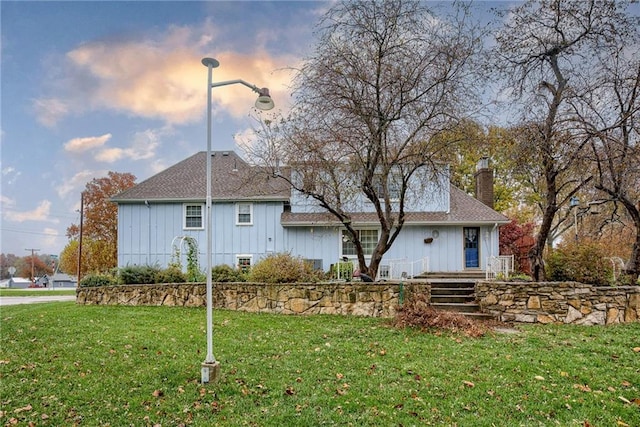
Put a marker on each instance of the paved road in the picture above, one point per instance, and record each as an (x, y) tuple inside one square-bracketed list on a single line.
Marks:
[(35, 299)]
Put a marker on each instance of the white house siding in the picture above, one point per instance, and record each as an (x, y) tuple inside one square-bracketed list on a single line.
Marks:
[(321, 242), (445, 253), (265, 236), (423, 195), (146, 233)]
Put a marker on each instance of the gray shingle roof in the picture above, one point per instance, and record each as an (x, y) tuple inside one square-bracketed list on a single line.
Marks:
[(464, 210), (232, 179)]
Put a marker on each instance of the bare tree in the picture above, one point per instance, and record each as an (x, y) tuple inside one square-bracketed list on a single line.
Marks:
[(545, 53), (385, 78), (611, 115)]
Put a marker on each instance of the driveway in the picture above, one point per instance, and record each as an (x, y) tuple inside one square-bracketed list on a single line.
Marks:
[(4, 301)]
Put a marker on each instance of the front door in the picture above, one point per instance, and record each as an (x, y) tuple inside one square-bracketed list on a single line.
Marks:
[(471, 247)]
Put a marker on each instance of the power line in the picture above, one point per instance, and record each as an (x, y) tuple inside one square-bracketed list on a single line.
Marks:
[(30, 232)]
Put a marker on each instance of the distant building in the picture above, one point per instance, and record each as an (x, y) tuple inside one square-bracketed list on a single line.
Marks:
[(16, 283)]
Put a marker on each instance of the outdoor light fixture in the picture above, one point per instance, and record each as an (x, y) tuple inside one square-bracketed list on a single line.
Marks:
[(210, 367)]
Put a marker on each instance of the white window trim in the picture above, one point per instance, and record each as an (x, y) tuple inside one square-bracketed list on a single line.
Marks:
[(238, 256), (367, 256), (184, 216), (238, 213)]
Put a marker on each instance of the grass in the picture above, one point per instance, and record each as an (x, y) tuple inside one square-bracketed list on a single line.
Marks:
[(63, 364), (35, 292)]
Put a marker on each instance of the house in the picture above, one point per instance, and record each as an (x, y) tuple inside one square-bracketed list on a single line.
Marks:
[(16, 283), (255, 214)]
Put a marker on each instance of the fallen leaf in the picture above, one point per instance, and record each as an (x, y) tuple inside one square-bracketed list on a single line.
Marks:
[(539, 378), (564, 374), (636, 401), (339, 376), (158, 393), (290, 391), (581, 387), (469, 384), (624, 399), (626, 384), (636, 349), (23, 409), (622, 424)]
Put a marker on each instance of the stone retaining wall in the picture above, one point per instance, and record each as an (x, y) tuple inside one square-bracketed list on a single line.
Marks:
[(559, 302), (370, 299)]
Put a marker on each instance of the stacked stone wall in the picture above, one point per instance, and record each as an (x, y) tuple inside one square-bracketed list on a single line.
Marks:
[(370, 299), (559, 302)]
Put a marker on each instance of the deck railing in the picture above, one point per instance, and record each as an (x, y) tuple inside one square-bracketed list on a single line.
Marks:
[(499, 267), (397, 269)]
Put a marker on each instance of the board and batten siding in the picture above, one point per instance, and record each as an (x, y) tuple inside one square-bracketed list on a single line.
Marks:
[(146, 233)]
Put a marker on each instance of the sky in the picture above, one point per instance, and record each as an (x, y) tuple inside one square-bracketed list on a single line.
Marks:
[(88, 87), (91, 87)]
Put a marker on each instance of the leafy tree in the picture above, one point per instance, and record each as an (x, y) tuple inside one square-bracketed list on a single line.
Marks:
[(100, 225), (39, 266), (385, 79), (493, 142), (6, 261), (516, 239), (545, 54)]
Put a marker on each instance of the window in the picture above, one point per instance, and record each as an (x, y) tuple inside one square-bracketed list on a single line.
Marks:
[(244, 213), (394, 186), (193, 217), (368, 240), (243, 262)]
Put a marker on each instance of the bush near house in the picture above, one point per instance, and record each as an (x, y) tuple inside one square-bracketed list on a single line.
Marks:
[(225, 273), (93, 280), (139, 274), (584, 262), (148, 275), (282, 268)]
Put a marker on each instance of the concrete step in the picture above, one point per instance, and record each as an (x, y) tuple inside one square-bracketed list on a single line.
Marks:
[(452, 291), (457, 307), (468, 274), (458, 283), (458, 299)]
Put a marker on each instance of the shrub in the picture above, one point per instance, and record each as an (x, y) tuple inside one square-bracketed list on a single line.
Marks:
[(225, 273), (93, 280), (281, 268), (139, 274), (416, 312), (172, 274), (584, 263)]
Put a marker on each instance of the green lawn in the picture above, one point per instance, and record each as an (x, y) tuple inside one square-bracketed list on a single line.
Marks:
[(35, 292), (63, 364)]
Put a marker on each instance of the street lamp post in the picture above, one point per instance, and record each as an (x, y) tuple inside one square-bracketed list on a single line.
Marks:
[(210, 370), (574, 203)]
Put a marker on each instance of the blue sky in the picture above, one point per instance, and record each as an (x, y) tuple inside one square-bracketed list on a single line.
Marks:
[(92, 87)]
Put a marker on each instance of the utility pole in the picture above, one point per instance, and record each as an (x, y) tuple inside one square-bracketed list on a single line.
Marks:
[(33, 252), (80, 238)]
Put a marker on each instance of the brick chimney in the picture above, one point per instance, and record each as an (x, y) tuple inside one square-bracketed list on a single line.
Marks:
[(484, 182)]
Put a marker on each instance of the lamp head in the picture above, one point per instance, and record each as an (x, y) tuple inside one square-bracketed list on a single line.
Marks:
[(264, 101)]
